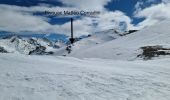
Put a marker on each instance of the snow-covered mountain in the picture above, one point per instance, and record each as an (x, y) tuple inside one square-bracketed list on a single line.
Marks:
[(129, 47), (29, 46), (109, 44), (92, 40)]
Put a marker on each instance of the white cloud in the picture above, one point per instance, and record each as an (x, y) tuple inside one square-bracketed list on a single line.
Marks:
[(154, 14), (35, 8), (142, 4), (105, 21), (138, 6), (110, 20), (81, 27), (166, 1), (86, 4), (17, 19)]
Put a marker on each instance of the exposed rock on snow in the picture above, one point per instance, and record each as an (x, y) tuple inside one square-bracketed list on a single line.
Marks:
[(153, 51), (2, 50)]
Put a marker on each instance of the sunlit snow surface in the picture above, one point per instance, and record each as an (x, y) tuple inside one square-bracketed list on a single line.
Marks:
[(102, 67), (24, 77)]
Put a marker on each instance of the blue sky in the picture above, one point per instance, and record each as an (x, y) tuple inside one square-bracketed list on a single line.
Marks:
[(21, 16)]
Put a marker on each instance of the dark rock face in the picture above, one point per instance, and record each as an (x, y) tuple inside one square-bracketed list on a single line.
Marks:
[(49, 42), (40, 50), (128, 32), (2, 50), (153, 51), (68, 49), (14, 39), (32, 41), (132, 31)]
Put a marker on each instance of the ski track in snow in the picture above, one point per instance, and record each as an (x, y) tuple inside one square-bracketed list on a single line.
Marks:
[(62, 78)]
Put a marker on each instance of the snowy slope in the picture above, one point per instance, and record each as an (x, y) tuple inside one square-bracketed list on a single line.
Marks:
[(128, 47), (91, 41), (95, 39), (62, 78)]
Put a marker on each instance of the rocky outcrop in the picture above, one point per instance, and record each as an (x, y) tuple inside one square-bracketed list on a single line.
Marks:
[(2, 50), (153, 51)]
